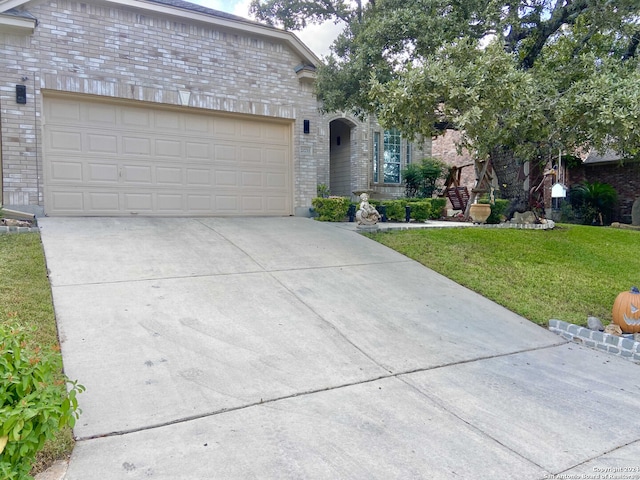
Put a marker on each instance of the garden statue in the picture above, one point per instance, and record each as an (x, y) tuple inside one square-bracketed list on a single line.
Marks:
[(367, 215)]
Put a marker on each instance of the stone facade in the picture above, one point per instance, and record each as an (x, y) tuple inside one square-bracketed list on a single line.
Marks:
[(151, 53)]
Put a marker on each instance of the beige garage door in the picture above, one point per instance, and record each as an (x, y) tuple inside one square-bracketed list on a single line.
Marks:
[(109, 158)]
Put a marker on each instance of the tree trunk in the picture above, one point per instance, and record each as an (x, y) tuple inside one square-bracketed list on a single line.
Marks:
[(508, 172)]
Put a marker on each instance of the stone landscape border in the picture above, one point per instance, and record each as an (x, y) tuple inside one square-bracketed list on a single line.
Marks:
[(5, 229), (624, 347)]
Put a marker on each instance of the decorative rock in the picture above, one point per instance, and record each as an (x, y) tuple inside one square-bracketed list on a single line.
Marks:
[(635, 212), (594, 323), (613, 329), (57, 471), (10, 222), (527, 218)]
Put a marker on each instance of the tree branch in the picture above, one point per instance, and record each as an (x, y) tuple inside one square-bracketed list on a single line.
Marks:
[(633, 47), (560, 15)]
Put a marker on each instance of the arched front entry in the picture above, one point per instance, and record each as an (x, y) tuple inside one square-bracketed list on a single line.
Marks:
[(340, 157)]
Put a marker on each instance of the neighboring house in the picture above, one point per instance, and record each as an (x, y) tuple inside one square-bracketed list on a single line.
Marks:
[(164, 107)]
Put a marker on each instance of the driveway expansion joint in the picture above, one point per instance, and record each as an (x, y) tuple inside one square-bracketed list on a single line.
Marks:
[(261, 402)]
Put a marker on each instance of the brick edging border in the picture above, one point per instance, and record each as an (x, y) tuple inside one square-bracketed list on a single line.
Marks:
[(626, 348)]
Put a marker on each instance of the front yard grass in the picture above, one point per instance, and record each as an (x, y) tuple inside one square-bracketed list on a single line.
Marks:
[(567, 273), (25, 299)]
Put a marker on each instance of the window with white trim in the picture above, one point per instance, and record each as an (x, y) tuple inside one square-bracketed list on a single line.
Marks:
[(389, 148)]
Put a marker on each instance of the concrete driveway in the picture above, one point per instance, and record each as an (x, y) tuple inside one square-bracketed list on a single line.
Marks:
[(285, 348)]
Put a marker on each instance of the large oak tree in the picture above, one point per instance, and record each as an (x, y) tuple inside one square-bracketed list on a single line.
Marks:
[(522, 79)]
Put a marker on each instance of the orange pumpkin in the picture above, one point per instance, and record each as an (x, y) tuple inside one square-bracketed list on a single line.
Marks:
[(626, 311)]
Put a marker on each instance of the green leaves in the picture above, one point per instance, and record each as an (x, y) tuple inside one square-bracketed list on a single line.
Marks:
[(34, 403)]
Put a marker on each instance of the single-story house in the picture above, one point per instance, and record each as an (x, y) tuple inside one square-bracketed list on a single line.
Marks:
[(164, 107)]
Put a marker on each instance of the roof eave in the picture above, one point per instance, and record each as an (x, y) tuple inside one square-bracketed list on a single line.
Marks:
[(12, 24), (255, 28), (247, 26)]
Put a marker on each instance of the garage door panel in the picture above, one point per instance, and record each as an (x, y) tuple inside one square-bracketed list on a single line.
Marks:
[(273, 156), (197, 177), (225, 127), (136, 174), (106, 202), (69, 202), (167, 121), (101, 143), (168, 148), (226, 204), (99, 114), (251, 130), (136, 146), (251, 154), (138, 202), (198, 151), (199, 203), (62, 112), (102, 172), (252, 179), (170, 203), (137, 118), (276, 133), (65, 141), (252, 204), (275, 180), (122, 159), (275, 204), (66, 171), (226, 178), (200, 124), (225, 153), (169, 176)]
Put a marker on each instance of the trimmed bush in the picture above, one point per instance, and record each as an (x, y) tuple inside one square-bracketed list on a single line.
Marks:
[(421, 210), (395, 210), (332, 209), (437, 208)]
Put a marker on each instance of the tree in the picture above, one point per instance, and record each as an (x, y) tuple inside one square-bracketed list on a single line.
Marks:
[(522, 79)]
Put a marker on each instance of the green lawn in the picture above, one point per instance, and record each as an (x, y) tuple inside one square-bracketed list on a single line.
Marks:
[(567, 273), (25, 298)]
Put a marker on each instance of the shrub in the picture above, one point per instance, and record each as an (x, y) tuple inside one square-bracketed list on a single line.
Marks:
[(34, 403), (594, 202), (437, 208), (332, 209), (497, 210), (420, 210), (395, 210), (420, 178)]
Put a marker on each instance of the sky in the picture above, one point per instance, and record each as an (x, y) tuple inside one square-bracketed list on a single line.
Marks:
[(317, 37)]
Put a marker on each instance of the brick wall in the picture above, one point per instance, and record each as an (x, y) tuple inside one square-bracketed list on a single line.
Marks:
[(444, 148), (140, 55)]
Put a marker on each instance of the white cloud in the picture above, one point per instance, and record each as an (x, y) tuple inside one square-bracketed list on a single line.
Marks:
[(320, 37), (317, 37)]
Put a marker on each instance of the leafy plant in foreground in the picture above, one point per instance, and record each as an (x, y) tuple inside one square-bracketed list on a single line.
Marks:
[(34, 403)]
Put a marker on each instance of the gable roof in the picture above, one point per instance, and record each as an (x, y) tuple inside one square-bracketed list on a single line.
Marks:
[(13, 12)]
